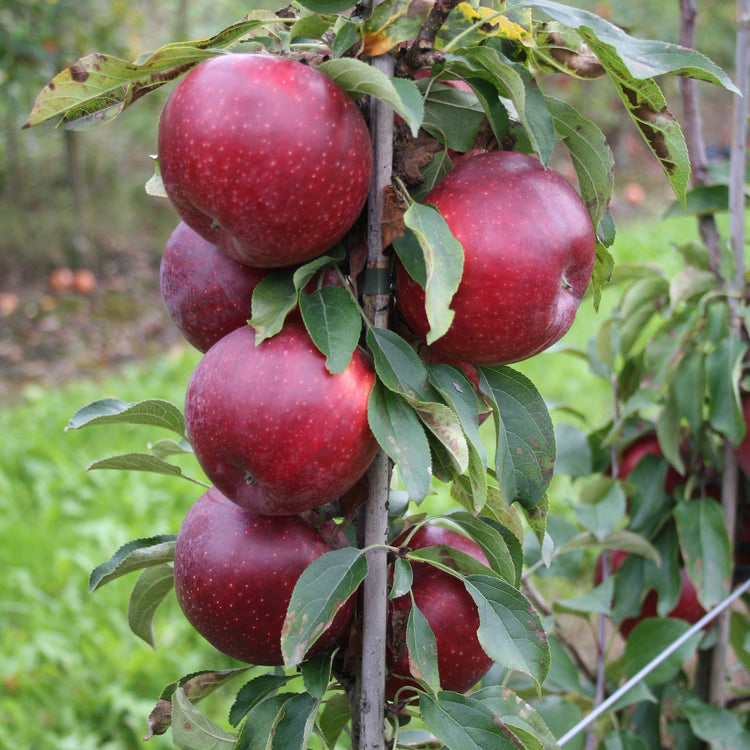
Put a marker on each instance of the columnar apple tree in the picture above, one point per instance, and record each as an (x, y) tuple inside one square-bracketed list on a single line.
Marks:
[(322, 360)]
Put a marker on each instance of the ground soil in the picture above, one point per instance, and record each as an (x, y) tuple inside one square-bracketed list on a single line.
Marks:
[(55, 329)]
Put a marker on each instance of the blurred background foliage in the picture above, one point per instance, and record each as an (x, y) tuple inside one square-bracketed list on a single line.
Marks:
[(71, 673)]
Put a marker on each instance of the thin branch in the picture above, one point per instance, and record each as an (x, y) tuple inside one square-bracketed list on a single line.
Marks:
[(692, 126), (422, 53), (738, 157)]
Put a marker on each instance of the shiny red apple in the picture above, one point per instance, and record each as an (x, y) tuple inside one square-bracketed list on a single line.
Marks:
[(234, 574), (264, 156), (272, 428), (206, 293), (450, 611), (529, 248), (688, 607), (648, 445)]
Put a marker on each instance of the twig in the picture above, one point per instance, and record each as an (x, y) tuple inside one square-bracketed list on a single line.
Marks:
[(693, 130), (421, 52)]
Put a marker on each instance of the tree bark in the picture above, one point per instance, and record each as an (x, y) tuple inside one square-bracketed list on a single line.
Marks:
[(371, 720)]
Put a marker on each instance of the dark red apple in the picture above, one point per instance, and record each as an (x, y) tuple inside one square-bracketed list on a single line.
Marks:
[(648, 445), (272, 428), (266, 157), (529, 248), (206, 293), (688, 607), (450, 611), (742, 451), (234, 574)]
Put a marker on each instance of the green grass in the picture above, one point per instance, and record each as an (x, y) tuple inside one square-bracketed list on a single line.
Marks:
[(72, 675)]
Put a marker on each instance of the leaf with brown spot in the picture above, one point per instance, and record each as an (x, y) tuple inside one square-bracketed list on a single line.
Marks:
[(393, 22), (318, 594), (97, 87)]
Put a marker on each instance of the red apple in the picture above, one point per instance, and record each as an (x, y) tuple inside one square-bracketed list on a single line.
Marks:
[(529, 248), (688, 607), (234, 574), (450, 611), (266, 157), (272, 428), (206, 293), (742, 451), (648, 445)]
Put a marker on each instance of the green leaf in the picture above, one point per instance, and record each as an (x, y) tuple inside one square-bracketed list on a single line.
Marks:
[(522, 718), (296, 722), (142, 462), (472, 490), (451, 116), (332, 319), (449, 560), (491, 541), (316, 674), (309, 27), (574, 457), (403, 575), (422, 648), (135, 555), (598, 600), (274, 297), (444, 424), (400, 433), (603, 508), (97, 87), (347, 36), (193, 730), (164, 448), (461, 395), (334, 716), (620, 539), (641, 58), (525, 453), (398, 366), (195, 687), (327, 6), (254, 691), (152, 585), (689, 387), (510, 630), (461, 723), (717, 726), (590, 155), (701, 200), (516, 83), (358, 78), (723, 370), (706, 549), (307, 271), (320, 591), (443, 261), (259, 728), (155, 412), (391, 23), (648, 639), (739, 637)]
